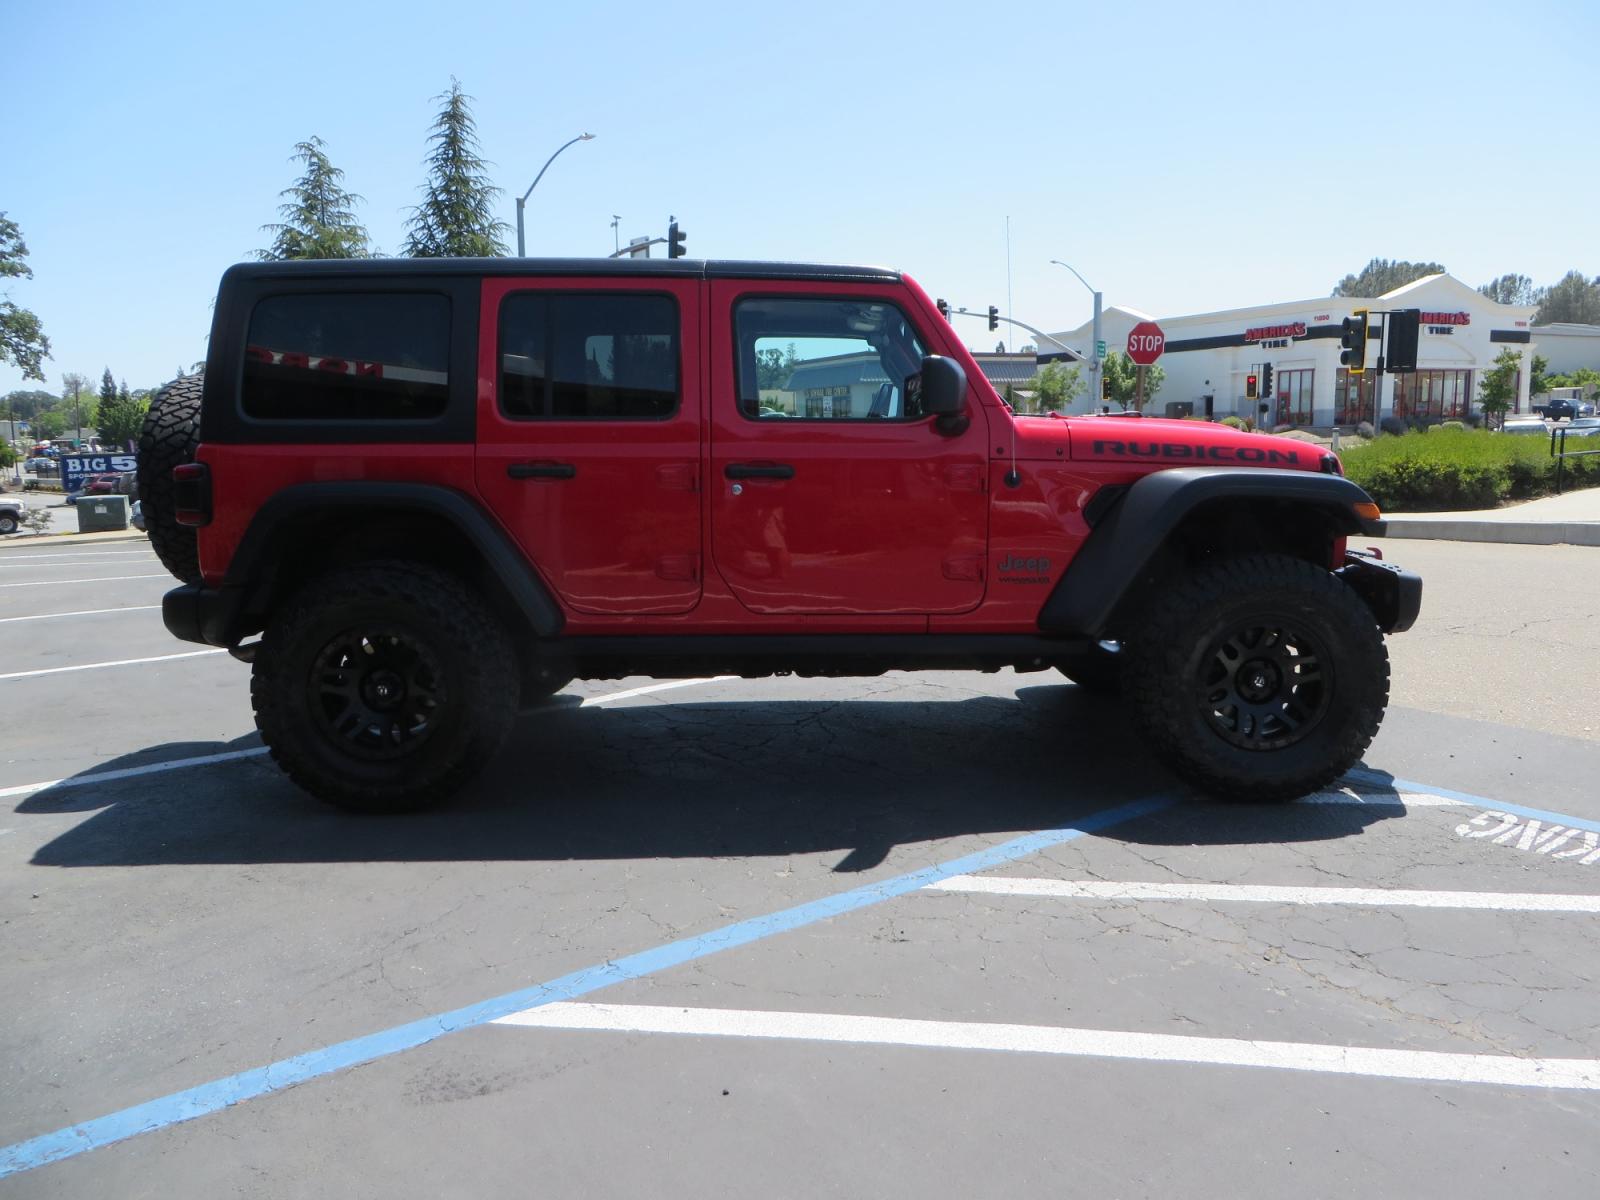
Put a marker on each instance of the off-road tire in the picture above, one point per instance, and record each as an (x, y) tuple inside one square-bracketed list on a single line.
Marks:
[(1095, 670), (171, 434), (466, 665), (1178, 665), (8, 523)]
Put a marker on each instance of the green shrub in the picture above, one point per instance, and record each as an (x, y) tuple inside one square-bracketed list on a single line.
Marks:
[(1460, 469), (1233, 422), (1450, 425)]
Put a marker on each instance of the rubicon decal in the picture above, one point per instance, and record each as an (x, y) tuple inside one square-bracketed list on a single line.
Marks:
[(1013, 569), (1243, 454)]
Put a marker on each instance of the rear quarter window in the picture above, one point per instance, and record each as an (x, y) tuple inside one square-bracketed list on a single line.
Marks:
[(348, 356)]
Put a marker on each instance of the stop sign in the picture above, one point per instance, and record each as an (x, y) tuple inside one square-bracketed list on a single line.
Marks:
[(1145, 343)]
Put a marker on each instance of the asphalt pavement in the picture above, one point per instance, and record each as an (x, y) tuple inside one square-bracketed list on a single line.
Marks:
[(940, 932)]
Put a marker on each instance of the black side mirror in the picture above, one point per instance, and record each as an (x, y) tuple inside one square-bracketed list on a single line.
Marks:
[(944, 393)]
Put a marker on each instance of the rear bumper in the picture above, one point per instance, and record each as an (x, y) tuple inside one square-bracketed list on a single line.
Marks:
[(1394, 595), (195, 613)]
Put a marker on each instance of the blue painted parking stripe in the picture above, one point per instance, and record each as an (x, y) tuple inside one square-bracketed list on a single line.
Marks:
[(212, 1097), (1367, 778)]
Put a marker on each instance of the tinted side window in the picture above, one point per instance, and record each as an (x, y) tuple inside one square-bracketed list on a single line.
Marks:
[(348, 356), (568, 357), (829, 360)]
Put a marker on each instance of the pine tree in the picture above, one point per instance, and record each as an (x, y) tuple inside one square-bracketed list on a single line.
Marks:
[(456, 216), (108, 389), (121, 417), (319, 219)]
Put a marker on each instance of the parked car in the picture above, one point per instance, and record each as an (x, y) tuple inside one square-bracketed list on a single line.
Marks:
[(1586, 410), (1583, 427), (1559, 409), (11, 513), (1525, 425)]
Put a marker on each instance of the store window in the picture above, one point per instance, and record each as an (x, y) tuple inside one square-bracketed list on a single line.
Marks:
[(1356, 398), (1294, 397), (1433, 395)]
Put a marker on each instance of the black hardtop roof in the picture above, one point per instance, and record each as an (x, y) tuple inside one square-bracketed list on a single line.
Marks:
[(341, 268)]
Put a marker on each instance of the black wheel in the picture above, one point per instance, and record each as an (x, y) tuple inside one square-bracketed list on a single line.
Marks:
[(8, 523), (171, 434), (1258, 678), (384, 687), (1096, 670)]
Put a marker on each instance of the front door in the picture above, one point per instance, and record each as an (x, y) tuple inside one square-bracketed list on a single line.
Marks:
[(589, 419), (830, 492)]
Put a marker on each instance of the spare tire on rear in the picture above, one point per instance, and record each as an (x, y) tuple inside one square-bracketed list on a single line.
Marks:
[(171, 434)]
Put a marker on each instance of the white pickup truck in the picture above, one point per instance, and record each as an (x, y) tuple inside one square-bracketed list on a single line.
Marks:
[(11, 513)]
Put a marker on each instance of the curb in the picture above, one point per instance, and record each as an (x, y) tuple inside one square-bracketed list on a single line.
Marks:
[(1523, 533), (73, 539)]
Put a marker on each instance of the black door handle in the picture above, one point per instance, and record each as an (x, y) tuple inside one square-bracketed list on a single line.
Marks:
[(758, 471), (541, 470)]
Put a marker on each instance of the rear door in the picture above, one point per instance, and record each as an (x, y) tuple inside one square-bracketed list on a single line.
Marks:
[(830, 492), (589, 421)]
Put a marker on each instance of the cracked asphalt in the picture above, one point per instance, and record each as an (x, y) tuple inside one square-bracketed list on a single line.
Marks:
[(163, 931)]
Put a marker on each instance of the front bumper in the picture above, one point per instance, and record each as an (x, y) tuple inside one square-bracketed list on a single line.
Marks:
[(1394, 595), (210, 616)]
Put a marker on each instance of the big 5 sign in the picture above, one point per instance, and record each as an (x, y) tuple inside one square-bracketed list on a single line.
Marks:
[(77, 467)]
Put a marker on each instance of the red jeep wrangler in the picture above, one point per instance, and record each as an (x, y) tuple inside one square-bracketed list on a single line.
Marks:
[(439, 490)]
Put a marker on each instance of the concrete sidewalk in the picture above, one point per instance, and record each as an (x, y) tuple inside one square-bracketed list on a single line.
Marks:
[(1572, 519)]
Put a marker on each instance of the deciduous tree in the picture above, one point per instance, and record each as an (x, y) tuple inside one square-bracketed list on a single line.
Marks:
[(1511, 289), (1573, 298), (1121, 375), (1497, 386), (22, 339), (456, 216), (1055, 386), (1381, 275)]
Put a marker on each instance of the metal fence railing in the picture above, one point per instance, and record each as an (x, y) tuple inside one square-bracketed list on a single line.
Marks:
[(1559, 452)]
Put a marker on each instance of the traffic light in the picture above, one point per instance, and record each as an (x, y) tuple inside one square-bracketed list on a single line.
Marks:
[(1404, 326), (1105, 388), (675, 239), (994, 317), (1250, 392), (944, 308), (1266, 379), (1353, 342)]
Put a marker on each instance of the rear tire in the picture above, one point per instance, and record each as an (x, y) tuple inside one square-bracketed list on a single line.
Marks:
[(1258, 678), (8, 523), (169, 439), (384, 687)]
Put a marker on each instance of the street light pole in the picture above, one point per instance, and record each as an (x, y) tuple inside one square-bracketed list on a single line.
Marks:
[(522, 200), (1094, 355)]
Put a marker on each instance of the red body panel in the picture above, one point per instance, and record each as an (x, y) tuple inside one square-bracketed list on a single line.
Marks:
[(885, 527)]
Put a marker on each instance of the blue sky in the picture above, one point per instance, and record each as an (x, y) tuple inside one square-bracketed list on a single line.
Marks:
[(1183, 157)]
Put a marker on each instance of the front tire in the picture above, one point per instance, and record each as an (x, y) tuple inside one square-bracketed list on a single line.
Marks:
[(1258, 678), (8, 523), (384, 687)]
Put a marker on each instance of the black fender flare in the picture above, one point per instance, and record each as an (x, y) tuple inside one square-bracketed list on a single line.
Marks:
[(1128, 536), (264, 544)]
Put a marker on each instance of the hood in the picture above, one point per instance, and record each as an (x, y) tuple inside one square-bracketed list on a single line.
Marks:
[(1161, 442)]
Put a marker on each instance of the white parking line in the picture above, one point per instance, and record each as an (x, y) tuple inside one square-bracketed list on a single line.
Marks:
[(98, 579), (1503, 1070), (1228, 893), (121, 662), (592, 701), (82, 612), (1380, 799), (175, 764), (203, 760), (78, 555), (69, 561)]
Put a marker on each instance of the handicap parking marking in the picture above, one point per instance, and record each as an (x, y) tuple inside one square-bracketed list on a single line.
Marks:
[(205, 1099)]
